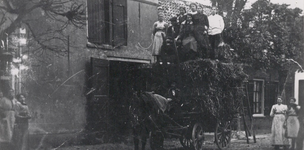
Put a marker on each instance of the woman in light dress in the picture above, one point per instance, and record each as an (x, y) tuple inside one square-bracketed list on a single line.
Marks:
[(159, 32), (7, 121), (292, 122), (278, 112)]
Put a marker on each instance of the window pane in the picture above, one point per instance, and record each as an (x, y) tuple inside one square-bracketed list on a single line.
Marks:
[(257, 97)]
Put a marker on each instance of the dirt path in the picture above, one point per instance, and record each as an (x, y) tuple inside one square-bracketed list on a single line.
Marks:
[(263, 143)]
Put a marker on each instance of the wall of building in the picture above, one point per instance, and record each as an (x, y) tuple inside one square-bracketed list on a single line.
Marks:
[(141, 16), (56, 83)]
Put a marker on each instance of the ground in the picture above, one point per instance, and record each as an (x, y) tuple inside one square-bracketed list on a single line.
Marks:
[(263, 143)]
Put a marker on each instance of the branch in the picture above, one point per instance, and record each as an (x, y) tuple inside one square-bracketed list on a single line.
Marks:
[(296, 63), (75, 15), (42, 44), (8, 8)]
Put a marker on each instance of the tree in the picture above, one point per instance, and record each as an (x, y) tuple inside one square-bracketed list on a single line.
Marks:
[(270, 37), (17, 13), (232, 7)]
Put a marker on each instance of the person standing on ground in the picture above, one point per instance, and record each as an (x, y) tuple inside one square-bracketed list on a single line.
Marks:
[(216, 27), (292, 122), (159, 32), (7, 121), (278, 112), (300, 138), (200, 23), (22, 115)]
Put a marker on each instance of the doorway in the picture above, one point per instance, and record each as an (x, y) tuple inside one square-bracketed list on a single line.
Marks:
[(112, 83)]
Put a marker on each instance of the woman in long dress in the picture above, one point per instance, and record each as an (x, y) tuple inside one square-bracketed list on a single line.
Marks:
[(278, 112), (159, 32), (7, 121), (201, 24), (188, 41), (292, 122)]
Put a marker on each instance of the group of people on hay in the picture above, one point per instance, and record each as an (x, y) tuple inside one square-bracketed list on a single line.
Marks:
[(196, 34), (288, 123)]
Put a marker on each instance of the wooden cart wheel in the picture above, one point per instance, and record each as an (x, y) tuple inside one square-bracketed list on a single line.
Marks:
[(198, 136), (223, 134), (186, 142)]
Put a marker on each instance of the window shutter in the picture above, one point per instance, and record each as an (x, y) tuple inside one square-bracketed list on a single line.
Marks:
[(249, 100), (119, 22), (301, 93), (98, 104), (96, 23), (270, 96)]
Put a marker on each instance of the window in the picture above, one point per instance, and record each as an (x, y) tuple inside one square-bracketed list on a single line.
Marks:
[(107, 22), (255, 98), (258, 97)]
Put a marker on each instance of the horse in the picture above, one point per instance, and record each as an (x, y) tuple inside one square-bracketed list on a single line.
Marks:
[(169, 52), (146, 121)]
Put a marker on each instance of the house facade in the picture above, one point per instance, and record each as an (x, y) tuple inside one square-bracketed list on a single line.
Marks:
[(79, 94)]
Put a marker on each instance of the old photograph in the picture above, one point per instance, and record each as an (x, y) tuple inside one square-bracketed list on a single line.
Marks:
[(151, 74)]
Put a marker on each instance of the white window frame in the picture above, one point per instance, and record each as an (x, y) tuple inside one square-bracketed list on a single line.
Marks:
[(262, 97), (298, 77)]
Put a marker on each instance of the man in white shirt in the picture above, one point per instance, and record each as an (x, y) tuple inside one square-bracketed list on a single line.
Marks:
[(216, 27)]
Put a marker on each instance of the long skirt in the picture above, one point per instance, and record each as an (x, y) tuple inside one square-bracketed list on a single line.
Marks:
[(20, 136), (293, 126), (190, 43), (202, 40), (157, 43), (6, 126), (278, 131)]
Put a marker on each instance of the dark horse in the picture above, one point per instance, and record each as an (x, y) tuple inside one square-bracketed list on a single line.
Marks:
[(147, 119)]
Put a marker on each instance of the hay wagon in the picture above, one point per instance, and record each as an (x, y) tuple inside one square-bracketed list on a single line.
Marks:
[(209, 93)]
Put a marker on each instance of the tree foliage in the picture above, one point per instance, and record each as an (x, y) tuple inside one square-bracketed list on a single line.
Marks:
[(24, 13), (211, 87), (267, 34), (268, 37)]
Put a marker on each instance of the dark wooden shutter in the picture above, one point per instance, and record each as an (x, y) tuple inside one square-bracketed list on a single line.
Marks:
[(271, 92), (119, 21), (96, 21), (249, 100), (301, 93), (99, 103)]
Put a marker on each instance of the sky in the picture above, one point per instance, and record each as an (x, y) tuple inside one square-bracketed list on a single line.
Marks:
[(292, 3)]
